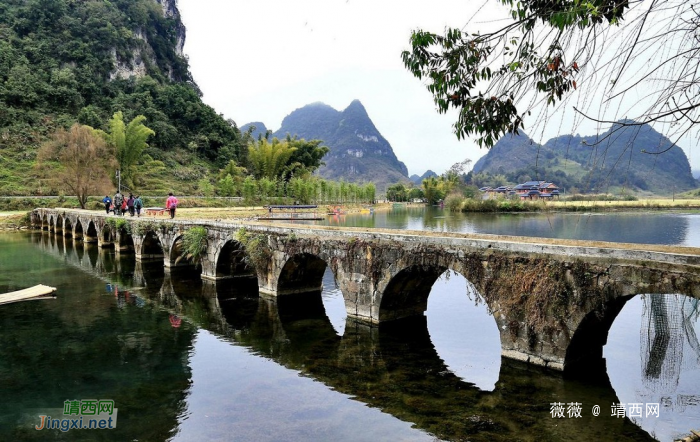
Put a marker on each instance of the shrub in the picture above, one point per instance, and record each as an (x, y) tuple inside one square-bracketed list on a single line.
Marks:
[(454, 202)]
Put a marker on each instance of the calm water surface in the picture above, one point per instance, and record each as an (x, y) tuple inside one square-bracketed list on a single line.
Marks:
[(670, 228), (189, 361)]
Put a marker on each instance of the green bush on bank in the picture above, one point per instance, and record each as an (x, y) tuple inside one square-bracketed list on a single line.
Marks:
[(601, 197), (501, 205)]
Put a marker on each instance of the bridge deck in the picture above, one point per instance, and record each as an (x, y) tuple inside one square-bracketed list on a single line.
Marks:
[(681, 255)]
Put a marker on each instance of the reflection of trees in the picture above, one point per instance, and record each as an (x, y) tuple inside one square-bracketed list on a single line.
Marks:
[(83, 347), (668, 340), (395, 368)]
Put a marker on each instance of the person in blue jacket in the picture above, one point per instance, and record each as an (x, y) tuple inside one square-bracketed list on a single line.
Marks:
[(108, 202)]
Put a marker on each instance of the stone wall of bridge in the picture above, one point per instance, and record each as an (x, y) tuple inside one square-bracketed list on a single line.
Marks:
[(553, 303)]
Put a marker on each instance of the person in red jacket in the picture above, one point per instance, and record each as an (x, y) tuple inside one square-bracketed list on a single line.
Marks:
[(171, 204)]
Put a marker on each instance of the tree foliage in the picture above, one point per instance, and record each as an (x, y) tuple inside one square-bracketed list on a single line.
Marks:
[(307, 157), (269, 159), (494, 79), (58, 65), (128, 142), (284, 159), (83, 160)]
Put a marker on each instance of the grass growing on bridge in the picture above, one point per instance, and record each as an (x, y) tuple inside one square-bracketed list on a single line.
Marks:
[(194, 245), (256, 246), (537, 292)]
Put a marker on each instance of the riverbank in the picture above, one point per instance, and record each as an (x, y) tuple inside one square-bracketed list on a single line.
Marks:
[(14, 220), (504, 205), (17, 219)]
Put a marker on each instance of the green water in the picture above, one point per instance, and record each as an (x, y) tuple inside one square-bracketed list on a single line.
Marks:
[(188, 360)]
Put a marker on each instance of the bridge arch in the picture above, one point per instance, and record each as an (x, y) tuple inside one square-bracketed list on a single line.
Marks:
[(231, 261), (78, 230), (59, 225), (91, 233), (406, 293), (45, 222), (151, 247), (176, 255), (585, 351), (301, 273), (107, 236), (52, 224), (68, 228), (125, 241)]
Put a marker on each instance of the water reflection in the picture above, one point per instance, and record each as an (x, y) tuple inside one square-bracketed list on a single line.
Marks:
[(666, 228), (668, 372), (394, 368), (83, 346), (241, 375), (464, 333)]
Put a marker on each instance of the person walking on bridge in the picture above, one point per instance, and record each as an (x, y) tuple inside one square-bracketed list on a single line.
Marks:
[(171, 204), (107, 202), (130, 204), (138, 205), (118, 199)]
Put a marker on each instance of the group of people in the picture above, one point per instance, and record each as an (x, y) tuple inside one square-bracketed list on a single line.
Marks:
[(133, 204), (120, 205)]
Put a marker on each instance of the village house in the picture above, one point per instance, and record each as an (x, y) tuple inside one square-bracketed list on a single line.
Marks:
[(531, 190), (536, 189)]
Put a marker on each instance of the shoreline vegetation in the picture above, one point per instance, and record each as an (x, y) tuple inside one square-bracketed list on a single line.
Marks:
[(460, 204), (14, 212)]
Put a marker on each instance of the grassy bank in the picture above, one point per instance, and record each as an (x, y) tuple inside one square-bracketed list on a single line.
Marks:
[(14, 220)]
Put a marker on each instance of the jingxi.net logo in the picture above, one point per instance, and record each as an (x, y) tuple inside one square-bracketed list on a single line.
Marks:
[(85, 414)]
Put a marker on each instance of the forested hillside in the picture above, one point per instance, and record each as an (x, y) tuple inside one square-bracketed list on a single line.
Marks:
[(63, 61)]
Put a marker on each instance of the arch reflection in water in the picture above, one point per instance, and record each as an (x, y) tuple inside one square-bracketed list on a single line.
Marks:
[(665, 342), (333, 303), (83, 345), (464, 333), (394, 368)]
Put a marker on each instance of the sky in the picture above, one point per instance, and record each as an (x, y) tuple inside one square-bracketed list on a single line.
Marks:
[(260, 60)]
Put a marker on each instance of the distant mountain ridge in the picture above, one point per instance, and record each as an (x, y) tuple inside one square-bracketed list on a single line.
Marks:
[(419, 179), (624, 156), (358, 152), (258, 129)]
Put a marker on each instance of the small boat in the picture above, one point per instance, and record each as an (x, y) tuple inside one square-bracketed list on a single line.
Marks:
[(337, 210), (291, 213), (37, 292)]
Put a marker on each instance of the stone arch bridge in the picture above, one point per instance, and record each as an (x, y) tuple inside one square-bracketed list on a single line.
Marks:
[(553, 301)]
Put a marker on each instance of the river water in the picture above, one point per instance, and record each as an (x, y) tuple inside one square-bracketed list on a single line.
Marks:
[(187, 360)]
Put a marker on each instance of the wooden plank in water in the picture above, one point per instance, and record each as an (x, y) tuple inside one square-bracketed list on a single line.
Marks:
[(26, 294)]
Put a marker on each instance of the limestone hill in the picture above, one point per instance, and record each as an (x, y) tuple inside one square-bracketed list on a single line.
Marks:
[(358, 152), (624, 157)]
